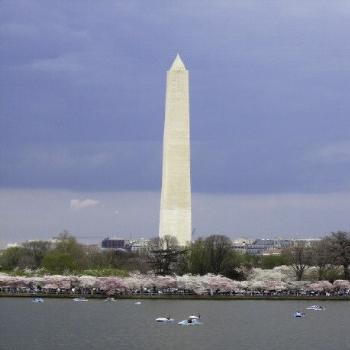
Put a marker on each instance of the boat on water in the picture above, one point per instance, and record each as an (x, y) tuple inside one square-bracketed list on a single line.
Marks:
[(299, 314), (164, 319), (80, 299), (193, 317), (110, 299), (138, 303), (38, 300), (190, 322), (316, 308)]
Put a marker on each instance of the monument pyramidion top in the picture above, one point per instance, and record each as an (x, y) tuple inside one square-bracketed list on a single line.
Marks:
[(178, 64)]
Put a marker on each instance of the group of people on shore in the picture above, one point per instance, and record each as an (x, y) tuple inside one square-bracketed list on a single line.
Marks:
[(169, 292)]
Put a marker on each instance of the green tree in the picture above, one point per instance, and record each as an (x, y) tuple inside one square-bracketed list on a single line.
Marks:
[(338, 248), (164, 255), (271, 261), (15, 257), (37, 250), (300, 259), (249, 261), (321, 258), (220, 255), (57, 262), (68, 254), (197, 258), (214, 254)]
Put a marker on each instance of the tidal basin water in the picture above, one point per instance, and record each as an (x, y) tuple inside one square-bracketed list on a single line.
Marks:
[(259, 325)]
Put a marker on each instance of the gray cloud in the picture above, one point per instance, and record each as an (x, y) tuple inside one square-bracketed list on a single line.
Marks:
[(264, 215), (82, 102), (337, 152), (77, 204), (88, 166)]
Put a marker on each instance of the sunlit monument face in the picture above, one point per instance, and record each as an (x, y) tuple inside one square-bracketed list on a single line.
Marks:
[(175, 207)]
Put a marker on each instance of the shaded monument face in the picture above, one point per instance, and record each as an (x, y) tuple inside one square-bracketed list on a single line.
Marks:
[(175, 207)]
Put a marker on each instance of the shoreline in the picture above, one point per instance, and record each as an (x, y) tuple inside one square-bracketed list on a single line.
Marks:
[(179, 297)]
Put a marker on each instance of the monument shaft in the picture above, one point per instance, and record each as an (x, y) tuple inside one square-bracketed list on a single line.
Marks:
[(175, 207)]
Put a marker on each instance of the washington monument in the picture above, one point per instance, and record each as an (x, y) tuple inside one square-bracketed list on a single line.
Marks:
[(175, 204)]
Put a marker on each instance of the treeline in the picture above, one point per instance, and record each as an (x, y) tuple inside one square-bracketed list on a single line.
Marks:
[(331, 256), (66, 256), (213, 254)]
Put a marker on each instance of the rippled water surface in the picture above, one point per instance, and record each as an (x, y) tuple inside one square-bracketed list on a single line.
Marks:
[(64, 324)]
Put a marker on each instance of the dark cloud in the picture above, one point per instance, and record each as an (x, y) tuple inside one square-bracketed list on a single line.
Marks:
[(82, 103)]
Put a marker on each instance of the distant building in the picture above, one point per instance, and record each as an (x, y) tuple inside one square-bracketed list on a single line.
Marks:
[(139, 245), (269, 246), (307, 242), (240, 244), (52, 241), (13, 245), (135, 245), (115, 243)]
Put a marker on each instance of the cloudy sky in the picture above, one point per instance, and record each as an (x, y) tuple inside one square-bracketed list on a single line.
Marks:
[(82, 112)]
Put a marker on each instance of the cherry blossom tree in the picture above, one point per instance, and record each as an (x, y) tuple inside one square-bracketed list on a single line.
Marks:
[(341, 284), (320, 286)]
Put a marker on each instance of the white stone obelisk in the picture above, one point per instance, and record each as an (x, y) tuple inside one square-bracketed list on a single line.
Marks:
[(175, 207)]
